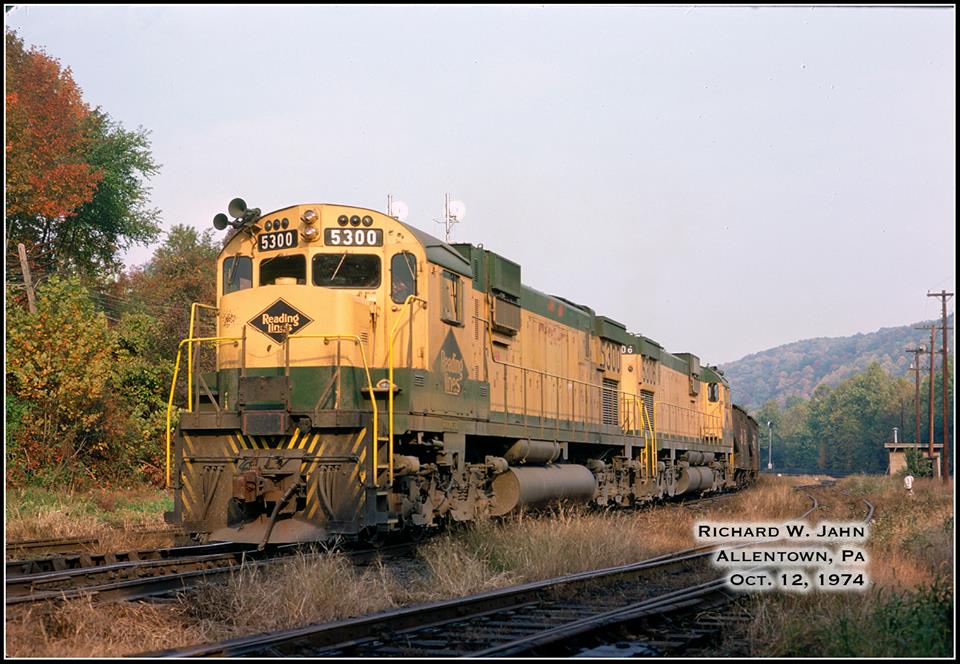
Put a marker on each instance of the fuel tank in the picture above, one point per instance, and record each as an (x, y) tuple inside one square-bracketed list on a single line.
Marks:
[(533, 486)]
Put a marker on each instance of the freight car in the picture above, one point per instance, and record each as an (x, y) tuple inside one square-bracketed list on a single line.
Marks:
[(368, 378)]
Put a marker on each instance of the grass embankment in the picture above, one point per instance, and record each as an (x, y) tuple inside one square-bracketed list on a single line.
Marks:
[(113, 516), (907, 611), (302, 591), (462, 561)]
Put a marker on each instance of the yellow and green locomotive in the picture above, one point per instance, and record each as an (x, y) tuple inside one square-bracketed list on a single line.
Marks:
[(371, 378)]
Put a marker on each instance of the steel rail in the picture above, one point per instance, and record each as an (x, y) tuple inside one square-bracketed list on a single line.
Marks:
[(368, 630), (74, 560), (73, 544), (149, 578)]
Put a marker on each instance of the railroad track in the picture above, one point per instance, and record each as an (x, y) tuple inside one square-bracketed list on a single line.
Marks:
[(163, 571), (674, 633), (529, 618), (78, 560), (69, 544), (709, 500)]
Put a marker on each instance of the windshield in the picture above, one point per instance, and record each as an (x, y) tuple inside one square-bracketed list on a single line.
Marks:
[(346, 270)]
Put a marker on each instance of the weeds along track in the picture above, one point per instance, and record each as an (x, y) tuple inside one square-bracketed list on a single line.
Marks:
[(69, 544), (531, 618), (700, 615), (155, 572)]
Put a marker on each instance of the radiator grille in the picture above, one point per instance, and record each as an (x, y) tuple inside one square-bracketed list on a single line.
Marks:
[(611, 410), (476, 319), (647, 401)]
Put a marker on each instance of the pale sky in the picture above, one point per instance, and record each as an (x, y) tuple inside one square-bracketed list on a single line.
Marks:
[(723, 180)]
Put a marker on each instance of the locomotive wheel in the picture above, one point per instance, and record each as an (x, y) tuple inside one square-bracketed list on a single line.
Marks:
[(374, 537)]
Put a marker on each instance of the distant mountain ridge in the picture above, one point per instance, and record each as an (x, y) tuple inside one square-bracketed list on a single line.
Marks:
[(798, 368)]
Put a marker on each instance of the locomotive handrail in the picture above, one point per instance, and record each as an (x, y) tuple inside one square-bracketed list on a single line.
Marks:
[(366, 369), (190, 341), (393, 333), (699, 418), (193, 313), (600, 388), (648, 432), (173, 384)]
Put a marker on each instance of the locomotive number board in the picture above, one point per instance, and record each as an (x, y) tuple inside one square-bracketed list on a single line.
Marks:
[(281, 240), (353, 237)]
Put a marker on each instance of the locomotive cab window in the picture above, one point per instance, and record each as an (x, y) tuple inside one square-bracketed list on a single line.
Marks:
[(237, 273), (403, 277), (346, 270), (451, 299), (283, 270), (713, 392)]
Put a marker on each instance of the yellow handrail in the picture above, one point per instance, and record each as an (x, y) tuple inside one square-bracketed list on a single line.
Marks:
[(193, 312), (702, 422), (191, 341), (173, 385), (366, 370), (393, 333)]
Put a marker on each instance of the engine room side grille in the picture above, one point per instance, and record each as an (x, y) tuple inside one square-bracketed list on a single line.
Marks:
[(476, 319), (611, 404), (647, 399), (419, 380)]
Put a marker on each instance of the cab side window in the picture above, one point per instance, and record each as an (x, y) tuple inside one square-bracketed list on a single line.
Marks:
[(713, 392), (403, 277), (451, 298)]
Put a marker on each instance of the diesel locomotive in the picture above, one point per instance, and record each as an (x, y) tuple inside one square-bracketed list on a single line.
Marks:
[(367, 377)]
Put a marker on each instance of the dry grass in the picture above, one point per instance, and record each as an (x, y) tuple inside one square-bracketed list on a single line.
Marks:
[(299, 591), (462, 561), (907, 610), (114, 517), (75, 628)]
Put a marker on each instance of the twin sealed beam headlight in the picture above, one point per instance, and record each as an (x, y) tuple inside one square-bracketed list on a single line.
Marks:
[(310, 232)]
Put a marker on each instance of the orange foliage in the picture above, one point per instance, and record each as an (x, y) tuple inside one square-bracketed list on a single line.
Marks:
[(47, 175)]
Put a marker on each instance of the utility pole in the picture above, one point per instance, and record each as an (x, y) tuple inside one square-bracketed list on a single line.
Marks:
[(933, 332), (917, 352), (943, 295), (25, 267)]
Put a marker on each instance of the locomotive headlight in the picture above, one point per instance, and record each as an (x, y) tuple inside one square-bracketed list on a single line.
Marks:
[(309, 217), (310, 233)]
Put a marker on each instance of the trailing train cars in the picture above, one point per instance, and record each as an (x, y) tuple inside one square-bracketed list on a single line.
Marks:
[(372, 378)]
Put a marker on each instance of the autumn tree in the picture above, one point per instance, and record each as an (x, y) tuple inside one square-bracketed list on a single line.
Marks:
[(853, 420), (76, 192), (181, 271), (48, 176), (118, 215), (58, 368)]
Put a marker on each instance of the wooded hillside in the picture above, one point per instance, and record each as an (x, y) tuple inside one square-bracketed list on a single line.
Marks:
[(797, 369)]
